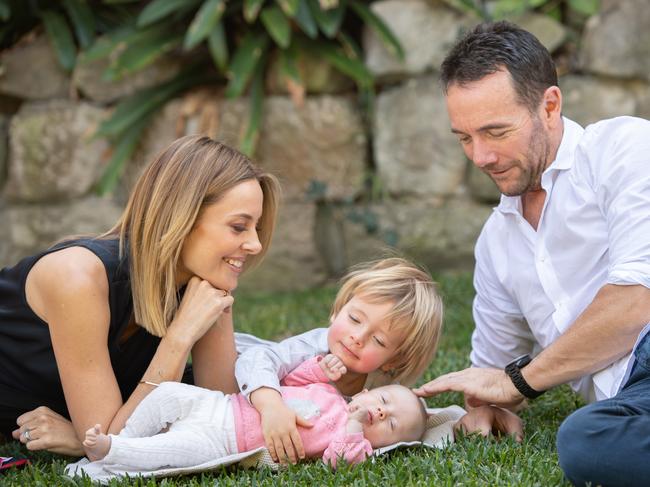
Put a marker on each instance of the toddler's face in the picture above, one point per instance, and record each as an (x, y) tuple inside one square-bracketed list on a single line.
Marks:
[(394, 414), (361, 336)]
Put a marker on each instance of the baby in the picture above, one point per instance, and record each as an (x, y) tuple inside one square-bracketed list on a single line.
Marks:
[(179, 425)]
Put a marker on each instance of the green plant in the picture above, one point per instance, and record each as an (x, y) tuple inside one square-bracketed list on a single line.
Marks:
[(71, 25), (231, 42), (502, 9)]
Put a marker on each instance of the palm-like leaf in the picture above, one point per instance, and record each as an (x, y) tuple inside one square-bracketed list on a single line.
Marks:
[(252, 9), (218, 46), (5, 10), (82, 19), (277, 25), (244, 62), (329, 20), (205, 20), (380, 28), (137, 106), (61, 38), (159, 9), (122, 152), (305, 20), (251, 134), (345, 63), (289, 7), (138, 56)]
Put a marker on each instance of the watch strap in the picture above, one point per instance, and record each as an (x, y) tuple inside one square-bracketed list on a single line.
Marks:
[(513, 369)]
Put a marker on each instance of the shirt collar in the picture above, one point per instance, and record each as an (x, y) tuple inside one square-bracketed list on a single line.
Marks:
[(566, 152), (563, 161)]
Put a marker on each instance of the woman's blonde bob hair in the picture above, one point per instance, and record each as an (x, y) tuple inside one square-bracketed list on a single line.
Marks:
[(416, 315), (192, 173)]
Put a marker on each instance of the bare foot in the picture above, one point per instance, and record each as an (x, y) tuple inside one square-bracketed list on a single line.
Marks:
[(96, 444)]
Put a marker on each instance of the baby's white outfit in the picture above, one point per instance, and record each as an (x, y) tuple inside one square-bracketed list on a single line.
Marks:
[(201, 428)]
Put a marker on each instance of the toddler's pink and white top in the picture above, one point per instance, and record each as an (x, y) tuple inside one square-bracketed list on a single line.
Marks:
[(306, 390)]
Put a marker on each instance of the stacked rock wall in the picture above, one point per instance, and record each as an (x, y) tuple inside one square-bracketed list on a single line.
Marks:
[(355, 186)]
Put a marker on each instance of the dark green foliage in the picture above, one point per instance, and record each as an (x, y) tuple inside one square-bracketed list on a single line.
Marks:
[(240, 36), (503, 9), (471, 461)]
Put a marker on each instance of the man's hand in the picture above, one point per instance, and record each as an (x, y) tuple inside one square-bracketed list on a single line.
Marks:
[(279, 426), (480, 386), (332, 367), (486, 420)]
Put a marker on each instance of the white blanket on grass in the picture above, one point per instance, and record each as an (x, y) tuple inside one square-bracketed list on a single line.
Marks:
[(439, 434)]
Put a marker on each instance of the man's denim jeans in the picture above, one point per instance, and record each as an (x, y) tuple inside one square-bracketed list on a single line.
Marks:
[(608, 442)]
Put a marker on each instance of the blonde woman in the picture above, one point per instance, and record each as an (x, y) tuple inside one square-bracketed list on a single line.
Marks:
[(88, 326)]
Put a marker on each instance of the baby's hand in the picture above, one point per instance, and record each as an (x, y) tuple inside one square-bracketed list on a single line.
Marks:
[(357, 417), (360, 414), (332, 367)]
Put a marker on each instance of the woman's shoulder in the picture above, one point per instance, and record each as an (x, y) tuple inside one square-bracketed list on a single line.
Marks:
[(74, 263), (67, 282), (81, 261), (70, 274)]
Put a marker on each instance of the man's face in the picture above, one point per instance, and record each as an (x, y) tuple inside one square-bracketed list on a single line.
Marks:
[(499, 134)]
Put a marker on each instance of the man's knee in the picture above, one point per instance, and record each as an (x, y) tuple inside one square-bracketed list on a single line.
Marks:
[(594, 446), (577, 444)]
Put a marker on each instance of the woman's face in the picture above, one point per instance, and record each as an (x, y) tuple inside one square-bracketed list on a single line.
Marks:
[(223, 236)]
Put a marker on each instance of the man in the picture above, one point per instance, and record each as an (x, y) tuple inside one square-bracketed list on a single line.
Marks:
[(563, 264)]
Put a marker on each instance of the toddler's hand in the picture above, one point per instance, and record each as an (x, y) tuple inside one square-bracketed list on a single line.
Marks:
[(332, 367), (279, 426)]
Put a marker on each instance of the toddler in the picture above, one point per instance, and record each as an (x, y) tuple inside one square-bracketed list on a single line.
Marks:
[(384, 328), (204, 425)]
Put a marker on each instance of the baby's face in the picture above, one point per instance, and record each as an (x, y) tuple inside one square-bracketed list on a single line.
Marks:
[(394, 414)]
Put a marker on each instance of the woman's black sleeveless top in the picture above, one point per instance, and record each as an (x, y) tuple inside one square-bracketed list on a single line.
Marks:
[(28, 373)]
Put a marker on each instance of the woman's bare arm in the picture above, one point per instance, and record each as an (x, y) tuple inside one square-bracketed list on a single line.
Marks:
[(214, 356), (69, 290)]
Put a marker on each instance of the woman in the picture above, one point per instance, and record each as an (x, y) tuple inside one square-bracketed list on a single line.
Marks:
[(89, 325)]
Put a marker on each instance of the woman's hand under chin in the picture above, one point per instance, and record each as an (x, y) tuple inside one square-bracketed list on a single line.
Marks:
[(199, 309), (49, 431)]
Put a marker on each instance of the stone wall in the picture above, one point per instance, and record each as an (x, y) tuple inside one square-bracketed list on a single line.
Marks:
[(355, 187)]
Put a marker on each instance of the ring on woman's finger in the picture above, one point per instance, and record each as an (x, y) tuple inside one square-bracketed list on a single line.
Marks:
[(27, 435)]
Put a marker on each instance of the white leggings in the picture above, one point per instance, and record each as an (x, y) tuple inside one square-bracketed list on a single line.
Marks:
[(201, 429)]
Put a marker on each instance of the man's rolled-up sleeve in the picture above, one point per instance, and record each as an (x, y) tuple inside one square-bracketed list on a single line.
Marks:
[(622, 185)]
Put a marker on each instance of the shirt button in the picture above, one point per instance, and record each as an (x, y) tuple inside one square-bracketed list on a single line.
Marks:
[(244, 387)]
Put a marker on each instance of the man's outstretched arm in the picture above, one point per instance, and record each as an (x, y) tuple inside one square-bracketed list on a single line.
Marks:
[(604, 332)]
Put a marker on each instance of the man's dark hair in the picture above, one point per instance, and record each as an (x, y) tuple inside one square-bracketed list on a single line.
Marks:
[(494, 46)]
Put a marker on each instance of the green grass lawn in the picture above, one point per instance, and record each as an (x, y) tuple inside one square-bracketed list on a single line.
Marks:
[(470, 461)]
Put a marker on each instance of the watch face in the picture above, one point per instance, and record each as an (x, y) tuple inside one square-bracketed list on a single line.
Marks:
[(522, 361)]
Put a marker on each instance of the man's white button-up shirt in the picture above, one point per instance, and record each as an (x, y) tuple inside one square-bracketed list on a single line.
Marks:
[(594, 230)]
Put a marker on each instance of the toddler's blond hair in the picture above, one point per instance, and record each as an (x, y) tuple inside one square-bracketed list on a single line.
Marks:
[(417, 313)]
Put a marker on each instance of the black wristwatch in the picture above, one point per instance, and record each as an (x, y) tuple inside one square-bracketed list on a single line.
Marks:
[(513, 369)]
